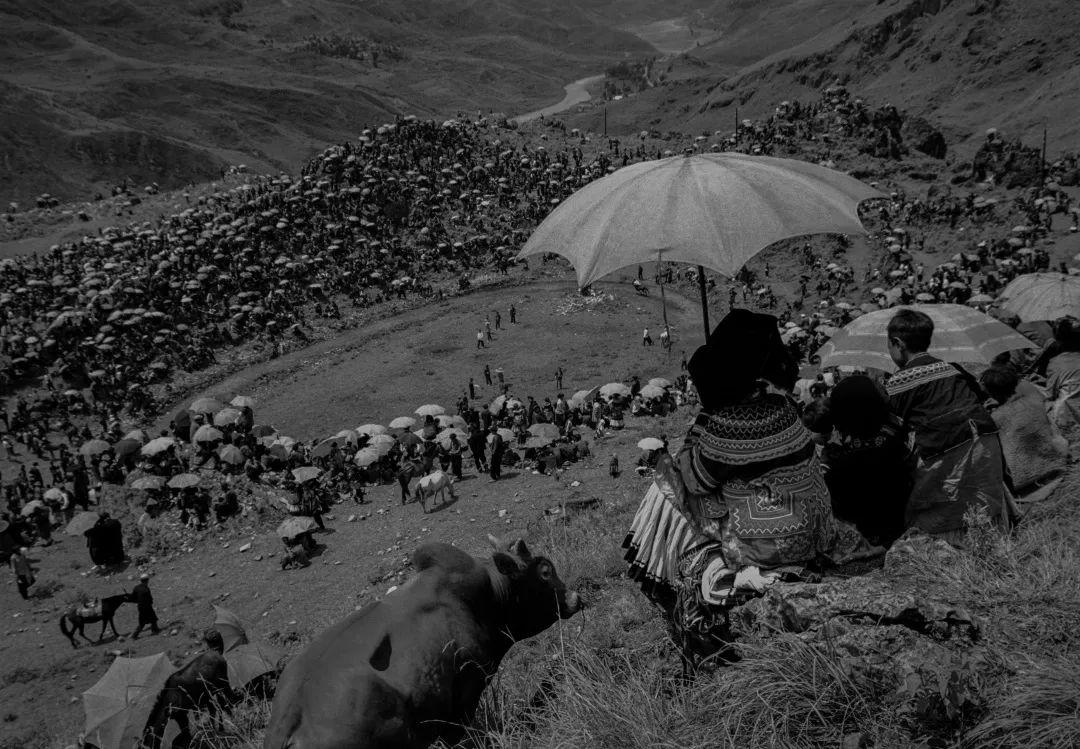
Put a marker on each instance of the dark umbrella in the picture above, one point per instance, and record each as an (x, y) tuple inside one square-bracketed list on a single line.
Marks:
[(127, 447)]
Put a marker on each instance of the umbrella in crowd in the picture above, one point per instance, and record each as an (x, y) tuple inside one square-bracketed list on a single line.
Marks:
[(157, 446), (206, 406), (366, 457), (714, 210), (292, 527), (242, 401), (650, 443), (506, 434), (961, 334), (660, 382), (231, 454), (443, 437), (582, 396), (233, 631), (403, 422), (615, 388), (650, 392), (371, 429), (183, 481), (55, 494), (94, 447), (145, 483), (1042, 296), (249, 661), (207, 433), (226, 417), (31, 507), (119, 704), (126, 447), (81, 523), (306, 473), (138, 435), (430, 409)]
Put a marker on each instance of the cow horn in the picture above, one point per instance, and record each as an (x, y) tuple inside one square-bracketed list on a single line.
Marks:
[(495, 542), (521, 550)]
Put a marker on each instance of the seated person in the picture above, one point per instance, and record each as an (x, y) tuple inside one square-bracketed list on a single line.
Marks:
[(868, 466), (960, 463), (1034, 453), (1063, 377)]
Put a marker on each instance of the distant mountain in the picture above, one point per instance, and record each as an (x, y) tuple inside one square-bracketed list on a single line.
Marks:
[(967, 65), (93, 91)]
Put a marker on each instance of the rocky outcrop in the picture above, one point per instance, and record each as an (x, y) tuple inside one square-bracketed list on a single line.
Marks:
[(919, 134)]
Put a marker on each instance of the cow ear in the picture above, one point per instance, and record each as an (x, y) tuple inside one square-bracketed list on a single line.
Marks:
[(506, 564), (495, 542), (520, 550)]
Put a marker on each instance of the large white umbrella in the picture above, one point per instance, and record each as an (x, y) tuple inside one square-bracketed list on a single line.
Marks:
[(1042, 296), (961, 335), (119, 704), (713, 210)]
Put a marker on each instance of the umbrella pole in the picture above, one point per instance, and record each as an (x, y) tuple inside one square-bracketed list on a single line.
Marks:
[(704, 299)]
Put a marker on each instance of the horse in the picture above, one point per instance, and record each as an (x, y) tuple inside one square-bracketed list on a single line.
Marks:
[(201, 684), (80, 616)]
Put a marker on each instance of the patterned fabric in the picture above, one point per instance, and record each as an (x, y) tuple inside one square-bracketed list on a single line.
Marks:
[(906, 379), (737, 435)]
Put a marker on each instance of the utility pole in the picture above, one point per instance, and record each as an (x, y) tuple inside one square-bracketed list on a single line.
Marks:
[(736, 125), (605, 120), (1042, 163)]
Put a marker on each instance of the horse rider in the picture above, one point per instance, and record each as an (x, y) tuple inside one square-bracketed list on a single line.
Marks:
[(145, 602)]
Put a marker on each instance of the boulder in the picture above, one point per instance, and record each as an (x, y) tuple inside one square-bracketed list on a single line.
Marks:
[(919, 134)]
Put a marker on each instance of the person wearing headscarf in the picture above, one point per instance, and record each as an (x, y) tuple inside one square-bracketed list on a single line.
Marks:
[(744, 494), (868, 466)]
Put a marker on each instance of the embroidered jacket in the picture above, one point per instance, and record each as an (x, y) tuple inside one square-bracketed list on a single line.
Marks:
[(938, 402)]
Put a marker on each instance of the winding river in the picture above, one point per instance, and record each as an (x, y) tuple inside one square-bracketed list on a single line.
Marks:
[(576, 93)]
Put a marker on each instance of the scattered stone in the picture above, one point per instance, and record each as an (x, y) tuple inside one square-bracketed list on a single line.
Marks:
[(502, 513), (246, 546), (211, 574), (575, 483), (350, 519), (258, 557), (174, 632)]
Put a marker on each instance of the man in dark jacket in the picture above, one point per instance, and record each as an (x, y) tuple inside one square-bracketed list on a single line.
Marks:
[(497, 448), (144, 600)]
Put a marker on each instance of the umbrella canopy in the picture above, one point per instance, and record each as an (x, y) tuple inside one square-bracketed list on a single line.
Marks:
[(250, 661), (183, 481), (31, 507), (242, 401), (119, 704), (430, 409), (233, 630), (961, 334), (206, 406), (207, 433), (231, 454), (717, 210), (306, 473), (443, 437), (403, 422), (293, 526), (226, 417), (157, 445), (650, 443), (506, 434), (582, 396), (660, 382), (1042, 296), (366, 457), (81, 523), (615, 388), (95, 447), (55, 494), (126, 447), (549, 432), (137, 434), (371, 429), (145, 483), (652, 391)]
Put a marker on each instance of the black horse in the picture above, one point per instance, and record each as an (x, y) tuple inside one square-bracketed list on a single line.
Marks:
[(202, 684), (104, 613)]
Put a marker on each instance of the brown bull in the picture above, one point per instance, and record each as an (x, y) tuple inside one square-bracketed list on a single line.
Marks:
[(410, 669)]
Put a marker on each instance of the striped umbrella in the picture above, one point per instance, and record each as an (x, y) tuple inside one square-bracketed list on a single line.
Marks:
[(961, 334), (1042, 296)]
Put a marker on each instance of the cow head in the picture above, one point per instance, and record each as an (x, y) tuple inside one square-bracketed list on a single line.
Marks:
[(536, 597)]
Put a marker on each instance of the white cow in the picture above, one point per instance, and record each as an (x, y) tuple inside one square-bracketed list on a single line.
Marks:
[(432, 485)]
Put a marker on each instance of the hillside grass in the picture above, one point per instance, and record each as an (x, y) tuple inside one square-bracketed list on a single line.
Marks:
[(609, 678)]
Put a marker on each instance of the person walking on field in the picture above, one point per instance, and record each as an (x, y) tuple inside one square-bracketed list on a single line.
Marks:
[(558, 378), (472, 388), (487, 328), (487, 374), (498, 320), (496, 454), (646, 339), (144, 600), (24, 573), (513, 315), (479, 338)]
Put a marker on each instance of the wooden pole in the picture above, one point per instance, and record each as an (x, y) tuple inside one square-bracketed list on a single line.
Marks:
[(704, 299), (663, 298), (1042, 163)]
